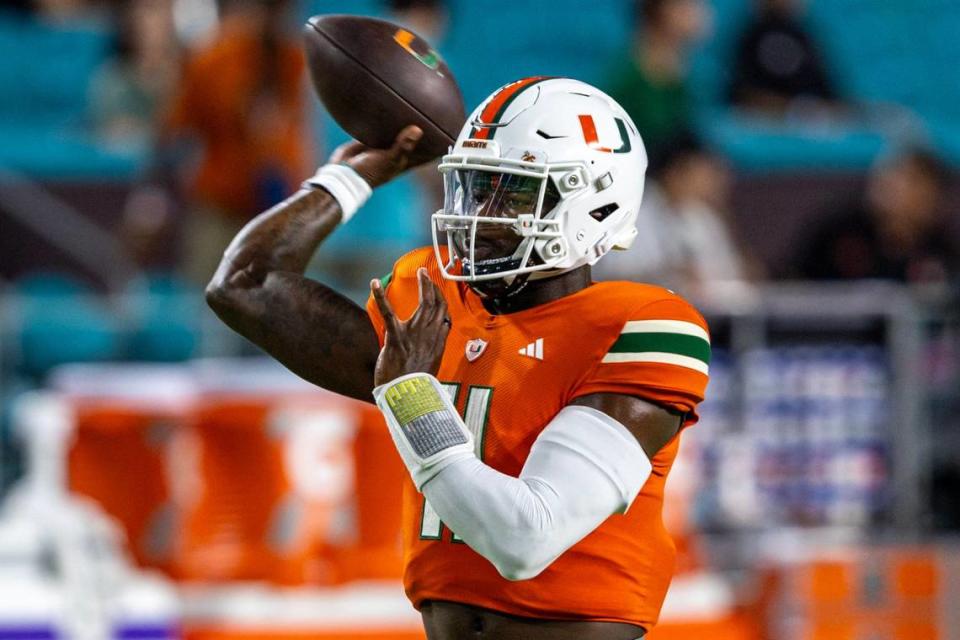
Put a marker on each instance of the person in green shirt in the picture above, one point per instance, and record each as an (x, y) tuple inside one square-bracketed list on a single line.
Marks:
[(650, 82)]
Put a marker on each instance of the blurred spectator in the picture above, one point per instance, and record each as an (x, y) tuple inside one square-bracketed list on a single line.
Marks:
[(684, 241), (67, 11), (242, 98), (128, 90), (426, 18), (778, 65), (650, 82), (897, 231), (146, 230)]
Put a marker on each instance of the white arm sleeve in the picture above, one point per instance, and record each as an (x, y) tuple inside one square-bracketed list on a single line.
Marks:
[(583, 467)]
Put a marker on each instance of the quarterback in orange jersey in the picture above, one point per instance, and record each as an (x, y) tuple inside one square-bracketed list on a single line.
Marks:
[(537, 412)]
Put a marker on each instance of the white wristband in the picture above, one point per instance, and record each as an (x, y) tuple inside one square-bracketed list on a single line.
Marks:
[(346, 186)]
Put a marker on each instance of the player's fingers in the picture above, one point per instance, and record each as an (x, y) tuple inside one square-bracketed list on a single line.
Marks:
[(428, 298), (420, 290), (438, 311), (439, 303), (407, 139), (346, 151), (379, 296)]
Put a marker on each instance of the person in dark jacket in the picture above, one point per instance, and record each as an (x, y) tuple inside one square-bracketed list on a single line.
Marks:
[(897, 231)]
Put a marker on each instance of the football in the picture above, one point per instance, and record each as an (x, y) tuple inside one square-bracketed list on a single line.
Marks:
[(375, 77)]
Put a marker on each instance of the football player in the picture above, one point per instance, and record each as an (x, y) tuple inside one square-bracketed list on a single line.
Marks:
[(537, 412)]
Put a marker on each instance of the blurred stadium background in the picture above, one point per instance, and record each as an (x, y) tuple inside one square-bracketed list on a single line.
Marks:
[(160, 479)]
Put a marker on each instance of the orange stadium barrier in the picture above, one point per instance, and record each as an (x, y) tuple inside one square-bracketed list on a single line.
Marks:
[(879, 593), (288, 488), (376, 553), (281, 492), (118, 456)]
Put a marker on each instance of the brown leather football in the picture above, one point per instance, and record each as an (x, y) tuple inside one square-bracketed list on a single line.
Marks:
[(375, 78)]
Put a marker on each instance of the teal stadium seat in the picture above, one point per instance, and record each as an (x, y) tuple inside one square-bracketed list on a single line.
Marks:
[(494, 42), (165, 318), (879, 52), (60, 321), (43, 103)]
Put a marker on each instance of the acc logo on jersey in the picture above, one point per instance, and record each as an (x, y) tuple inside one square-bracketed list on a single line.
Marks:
[(475, 348)]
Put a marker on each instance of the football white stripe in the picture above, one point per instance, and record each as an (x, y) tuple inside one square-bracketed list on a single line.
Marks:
[(665, 326), (663, 358)]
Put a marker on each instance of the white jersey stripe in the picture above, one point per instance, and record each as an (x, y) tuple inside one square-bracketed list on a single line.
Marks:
[(665, 326), (663, 358)]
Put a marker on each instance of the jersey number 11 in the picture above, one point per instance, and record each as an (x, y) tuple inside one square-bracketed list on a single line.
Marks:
[(475, 415)]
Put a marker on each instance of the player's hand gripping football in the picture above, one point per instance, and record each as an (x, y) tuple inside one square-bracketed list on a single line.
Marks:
[(416, 344), (378, 166)]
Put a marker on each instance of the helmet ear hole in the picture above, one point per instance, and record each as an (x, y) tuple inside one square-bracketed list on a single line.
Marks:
[(602, 213)]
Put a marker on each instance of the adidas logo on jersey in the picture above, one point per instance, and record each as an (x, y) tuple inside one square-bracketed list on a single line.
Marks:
[(533, 350)]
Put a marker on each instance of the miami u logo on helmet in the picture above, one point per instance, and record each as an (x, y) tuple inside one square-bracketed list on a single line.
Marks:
[(590, 135)]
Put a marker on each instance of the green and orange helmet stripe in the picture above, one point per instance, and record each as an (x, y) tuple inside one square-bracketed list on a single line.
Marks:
[(498, 104)]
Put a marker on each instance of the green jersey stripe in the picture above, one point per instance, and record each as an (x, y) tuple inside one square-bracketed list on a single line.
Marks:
[(683, 345), (659, 358)]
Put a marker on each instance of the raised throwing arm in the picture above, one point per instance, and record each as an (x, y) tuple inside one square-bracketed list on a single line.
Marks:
[(260, 290)]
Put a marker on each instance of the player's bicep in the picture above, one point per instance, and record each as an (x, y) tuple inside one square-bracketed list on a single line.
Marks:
[(317, 333), (653, 426)]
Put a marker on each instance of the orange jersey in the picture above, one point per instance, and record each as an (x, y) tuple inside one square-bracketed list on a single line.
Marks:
[(614, 337)]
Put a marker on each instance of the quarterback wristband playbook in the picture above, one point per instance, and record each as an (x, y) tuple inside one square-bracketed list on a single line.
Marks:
[(346, 186), (425, 426)]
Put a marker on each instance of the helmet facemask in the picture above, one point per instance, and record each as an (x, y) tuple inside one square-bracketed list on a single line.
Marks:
[(498, 222)]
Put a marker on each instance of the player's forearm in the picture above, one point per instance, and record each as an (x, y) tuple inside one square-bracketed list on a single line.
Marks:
[(260, 292), (283, 238), (280, 240), (507, 520), (259, 289), (570, 484)]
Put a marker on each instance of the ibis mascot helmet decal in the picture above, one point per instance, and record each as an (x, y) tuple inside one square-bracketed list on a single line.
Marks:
[(554, 160)]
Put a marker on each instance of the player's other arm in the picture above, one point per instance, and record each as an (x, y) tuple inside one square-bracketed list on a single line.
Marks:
[(260, 290), (584, 467), (589, 463)]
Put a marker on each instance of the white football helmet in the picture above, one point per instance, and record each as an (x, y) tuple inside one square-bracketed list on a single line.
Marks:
[(556, 161)]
